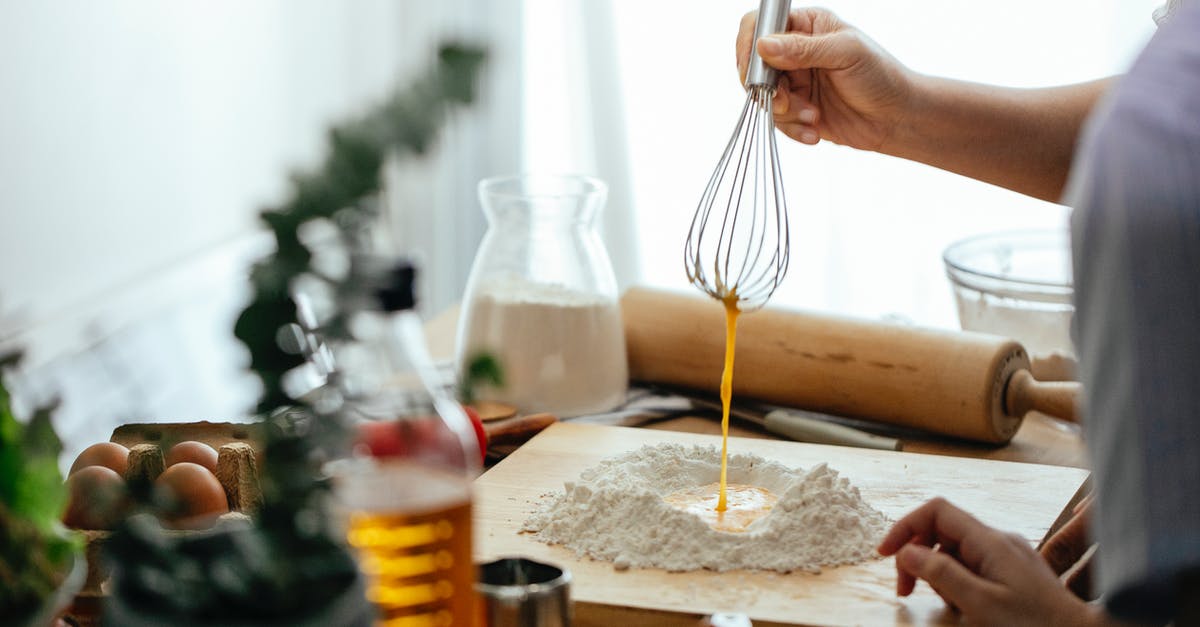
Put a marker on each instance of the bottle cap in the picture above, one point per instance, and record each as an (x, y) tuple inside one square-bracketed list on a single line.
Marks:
[(397, 289)]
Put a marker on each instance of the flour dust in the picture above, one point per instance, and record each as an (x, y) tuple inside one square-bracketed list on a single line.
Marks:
[(616, 512)]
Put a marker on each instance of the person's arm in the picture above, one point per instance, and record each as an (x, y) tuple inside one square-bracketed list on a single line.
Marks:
[(1021, 139)]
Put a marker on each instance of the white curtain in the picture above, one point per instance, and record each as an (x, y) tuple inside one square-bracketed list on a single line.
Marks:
[(867, 230), (574, 104)]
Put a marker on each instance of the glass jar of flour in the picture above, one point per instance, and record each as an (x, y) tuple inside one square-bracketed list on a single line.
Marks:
[(542, 298)]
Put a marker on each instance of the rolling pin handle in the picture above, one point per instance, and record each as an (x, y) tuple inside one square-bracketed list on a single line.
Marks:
[(1057, 398)]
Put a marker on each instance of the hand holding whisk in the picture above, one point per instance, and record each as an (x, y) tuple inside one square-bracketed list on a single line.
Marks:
[(737, 249)]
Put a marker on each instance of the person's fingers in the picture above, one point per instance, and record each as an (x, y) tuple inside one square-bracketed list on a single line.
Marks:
[(801, 20), (906, 582), (1078, 578), (1069, 543), (826, 21), (936, 519), (814, 20), (802, 133), (800, 85), (745, 38), (953, 581), (793, 51), (782, 101)]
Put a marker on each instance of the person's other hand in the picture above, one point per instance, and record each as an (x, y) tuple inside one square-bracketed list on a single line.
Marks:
[(1069, 551), (993, 578), (835, 83)]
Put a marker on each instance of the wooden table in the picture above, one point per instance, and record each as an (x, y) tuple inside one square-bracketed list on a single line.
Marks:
[(1040, 440)]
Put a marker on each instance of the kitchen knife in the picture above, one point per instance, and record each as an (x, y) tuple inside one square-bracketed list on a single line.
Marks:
[(794, 424), (806, 426)]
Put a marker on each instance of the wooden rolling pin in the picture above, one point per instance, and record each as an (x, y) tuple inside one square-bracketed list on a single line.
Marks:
[(966, 385)]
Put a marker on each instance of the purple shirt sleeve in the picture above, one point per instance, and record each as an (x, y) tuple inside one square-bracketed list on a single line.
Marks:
[(1135, 188)]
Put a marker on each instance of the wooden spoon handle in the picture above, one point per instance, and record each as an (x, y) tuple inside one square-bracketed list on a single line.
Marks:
[(1055, 398), (517, 430)]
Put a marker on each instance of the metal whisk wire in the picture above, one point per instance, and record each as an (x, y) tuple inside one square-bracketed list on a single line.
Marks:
[(743, 207), (738, 245)]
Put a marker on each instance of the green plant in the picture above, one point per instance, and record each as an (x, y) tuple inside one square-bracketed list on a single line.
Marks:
[(34, 552), (482, 369), (291, 560)]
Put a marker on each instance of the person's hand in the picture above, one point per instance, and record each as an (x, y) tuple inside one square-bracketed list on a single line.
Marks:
[(993, 578), (1068, 551), (860, 93)]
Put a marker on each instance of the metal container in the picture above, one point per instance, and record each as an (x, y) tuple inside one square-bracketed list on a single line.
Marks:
[(518, 592)]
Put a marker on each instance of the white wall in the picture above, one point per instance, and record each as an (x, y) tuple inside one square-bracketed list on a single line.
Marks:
[(138, 141)]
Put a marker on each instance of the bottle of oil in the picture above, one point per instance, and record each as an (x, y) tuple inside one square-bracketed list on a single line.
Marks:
[(407, 490)]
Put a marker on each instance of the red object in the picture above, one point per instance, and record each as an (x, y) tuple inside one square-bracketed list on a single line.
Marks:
[(382, 439), (395, 438), (480, 433)]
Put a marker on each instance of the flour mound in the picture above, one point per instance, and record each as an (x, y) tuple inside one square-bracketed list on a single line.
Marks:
[(615, 512)]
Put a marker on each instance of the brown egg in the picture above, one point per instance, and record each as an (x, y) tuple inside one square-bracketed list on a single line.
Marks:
[(108, 454), (194, 452), (97, 498), (198, 496)]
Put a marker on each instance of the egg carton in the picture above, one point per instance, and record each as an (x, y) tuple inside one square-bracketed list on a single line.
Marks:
[(238, 459), (237, 447)]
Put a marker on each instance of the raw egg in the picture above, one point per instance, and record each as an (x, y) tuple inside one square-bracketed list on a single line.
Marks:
[(194, 452), (97, 498), (108, 454), (195, 494), (744, 505)]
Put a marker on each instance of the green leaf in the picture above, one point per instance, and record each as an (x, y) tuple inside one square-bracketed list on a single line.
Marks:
[(10, 437), (40, 439), (482, 369), (41, 495)]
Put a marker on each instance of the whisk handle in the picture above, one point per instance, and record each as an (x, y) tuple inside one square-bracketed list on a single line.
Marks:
[(772, 18)]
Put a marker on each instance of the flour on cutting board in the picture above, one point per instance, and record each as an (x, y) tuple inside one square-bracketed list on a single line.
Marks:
[(617, 511)]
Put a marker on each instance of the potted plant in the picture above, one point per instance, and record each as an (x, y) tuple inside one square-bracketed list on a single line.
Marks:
[(41, 566), (289, 565)]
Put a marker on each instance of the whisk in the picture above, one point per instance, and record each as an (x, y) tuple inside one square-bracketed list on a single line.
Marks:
[(742, 253)]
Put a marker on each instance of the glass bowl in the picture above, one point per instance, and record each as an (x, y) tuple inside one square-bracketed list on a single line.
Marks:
[(1018, 284)]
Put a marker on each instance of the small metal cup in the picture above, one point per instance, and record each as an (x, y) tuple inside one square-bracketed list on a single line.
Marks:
[(518, 592)]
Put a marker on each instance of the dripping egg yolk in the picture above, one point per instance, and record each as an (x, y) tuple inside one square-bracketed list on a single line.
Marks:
[(744, 504)]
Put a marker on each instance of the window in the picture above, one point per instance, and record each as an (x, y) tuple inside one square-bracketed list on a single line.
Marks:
[(867, 230)]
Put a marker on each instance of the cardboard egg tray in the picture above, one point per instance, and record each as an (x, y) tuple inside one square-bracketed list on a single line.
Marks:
[(236, 446), (238, 458)]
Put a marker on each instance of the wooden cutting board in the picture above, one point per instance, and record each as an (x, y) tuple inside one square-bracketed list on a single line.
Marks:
[(1023, 498)]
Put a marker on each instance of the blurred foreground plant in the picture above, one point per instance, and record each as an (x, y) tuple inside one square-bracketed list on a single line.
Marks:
[(291, 561), (35, 552)]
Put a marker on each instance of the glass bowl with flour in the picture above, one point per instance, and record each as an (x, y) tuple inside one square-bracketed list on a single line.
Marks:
[(1018, 284), (542, 298)]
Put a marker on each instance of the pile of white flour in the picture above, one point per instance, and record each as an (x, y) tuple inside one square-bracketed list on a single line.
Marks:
[(616, 512)]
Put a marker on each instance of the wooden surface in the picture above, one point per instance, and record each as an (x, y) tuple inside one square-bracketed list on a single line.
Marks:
[(1023, 498)]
